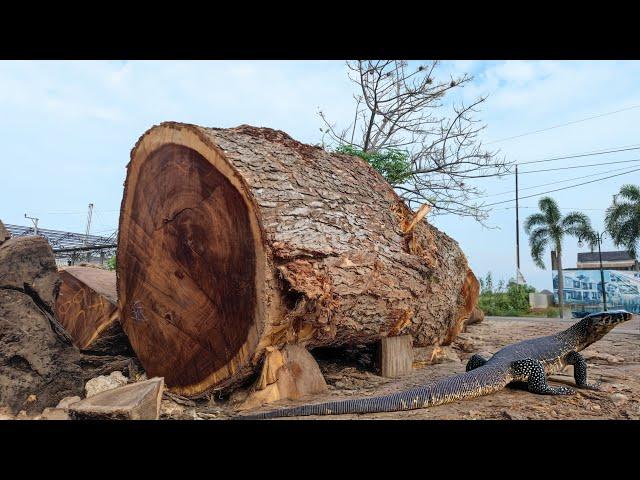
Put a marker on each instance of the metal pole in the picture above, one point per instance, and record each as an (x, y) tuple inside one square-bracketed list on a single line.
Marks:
[(604, 290), (517, 230), (35, 224)]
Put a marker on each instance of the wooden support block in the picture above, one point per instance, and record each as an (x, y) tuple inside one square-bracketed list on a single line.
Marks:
[(290, 373), (396, 356), (137, 401)]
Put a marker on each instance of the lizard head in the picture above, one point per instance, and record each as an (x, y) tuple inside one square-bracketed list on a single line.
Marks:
[(597, 325)]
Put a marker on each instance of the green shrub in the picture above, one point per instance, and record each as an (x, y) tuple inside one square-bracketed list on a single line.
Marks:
[(512, 301), (393, 165)]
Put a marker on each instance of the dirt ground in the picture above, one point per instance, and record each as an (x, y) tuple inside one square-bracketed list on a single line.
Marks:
[(614, 361)]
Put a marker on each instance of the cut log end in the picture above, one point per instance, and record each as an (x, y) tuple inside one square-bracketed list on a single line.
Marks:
[(187, 266), (87, 309)]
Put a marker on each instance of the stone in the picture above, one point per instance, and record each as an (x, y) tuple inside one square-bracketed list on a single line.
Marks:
[(136, 401), (67, 401), (619, 399), (435, 354), (104, 382), (54, 414)]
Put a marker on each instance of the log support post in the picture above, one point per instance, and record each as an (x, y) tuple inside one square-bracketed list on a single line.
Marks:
[(396, 356), (289, 373)]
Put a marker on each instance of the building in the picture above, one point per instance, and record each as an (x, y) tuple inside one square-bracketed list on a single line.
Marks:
[(583, 285), (610, 261), (71, 248)]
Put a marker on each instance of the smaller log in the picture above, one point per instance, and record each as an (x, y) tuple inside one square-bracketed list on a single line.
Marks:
[(290, 373), (38, 368), (396, 356), (4, 233), (27, 264), (137, 401), (88, 310)]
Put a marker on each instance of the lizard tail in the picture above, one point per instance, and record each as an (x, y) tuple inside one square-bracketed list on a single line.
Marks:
[(481, 381)]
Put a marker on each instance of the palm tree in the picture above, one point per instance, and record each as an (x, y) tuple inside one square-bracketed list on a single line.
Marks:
[(548, 228), (623, 219)]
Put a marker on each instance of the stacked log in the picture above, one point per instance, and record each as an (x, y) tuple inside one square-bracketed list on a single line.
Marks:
[(232, 241), (38, 364), (87, 308)]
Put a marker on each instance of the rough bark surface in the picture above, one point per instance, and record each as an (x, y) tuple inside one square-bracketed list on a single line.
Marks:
[(87, 307), (27, 264), (327, 262), (4, 233), (38, 367)]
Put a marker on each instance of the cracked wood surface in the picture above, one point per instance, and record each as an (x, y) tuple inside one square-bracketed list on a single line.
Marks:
[(87, 307), (235, 240)]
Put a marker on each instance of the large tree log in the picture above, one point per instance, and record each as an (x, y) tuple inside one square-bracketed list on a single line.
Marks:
[(38, 364), (87, 307), (233, 240)]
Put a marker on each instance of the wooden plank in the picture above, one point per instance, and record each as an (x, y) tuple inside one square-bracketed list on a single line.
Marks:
[(396, 356)]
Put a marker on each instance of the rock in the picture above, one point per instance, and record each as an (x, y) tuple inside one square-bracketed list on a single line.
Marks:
[(477, 316), (513, 415), (38, 365), (595, 407), (104, 382), (67, 401), (435, 354), (54, 414), (136, 401), (619, 399)]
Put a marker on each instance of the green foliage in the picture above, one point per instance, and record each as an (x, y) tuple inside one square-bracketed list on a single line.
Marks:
[(509, 301), (393, 165), (111, 263), (623, 219)]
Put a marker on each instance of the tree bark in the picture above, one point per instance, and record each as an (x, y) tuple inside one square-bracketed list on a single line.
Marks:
[(235, 240), (4, 233), (38, 364), (87, 307)]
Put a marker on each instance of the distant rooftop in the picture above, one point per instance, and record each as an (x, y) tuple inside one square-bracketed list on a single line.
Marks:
[(606, 257)]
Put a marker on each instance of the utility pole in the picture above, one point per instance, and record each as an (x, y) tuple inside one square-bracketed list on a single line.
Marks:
[(86, 235), (517, 231), (35, 223)]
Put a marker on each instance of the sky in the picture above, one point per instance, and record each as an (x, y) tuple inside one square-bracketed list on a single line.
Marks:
[(67, 129)]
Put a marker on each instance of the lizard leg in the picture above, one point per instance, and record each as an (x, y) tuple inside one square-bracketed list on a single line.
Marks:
[(533, 371), (580, 371), (475, 361)]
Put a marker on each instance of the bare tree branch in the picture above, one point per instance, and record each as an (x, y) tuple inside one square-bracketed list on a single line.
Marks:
[(400, 107)]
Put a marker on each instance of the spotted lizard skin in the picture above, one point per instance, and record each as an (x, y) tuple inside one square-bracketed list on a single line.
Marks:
[(530, 361)]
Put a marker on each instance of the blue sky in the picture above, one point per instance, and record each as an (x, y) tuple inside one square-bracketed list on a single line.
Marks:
[(67, 129)]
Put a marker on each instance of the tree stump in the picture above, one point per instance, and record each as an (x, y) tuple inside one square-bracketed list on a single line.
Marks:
[(87, 307), (235, 240)]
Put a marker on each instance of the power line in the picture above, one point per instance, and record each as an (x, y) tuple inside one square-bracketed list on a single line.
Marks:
[(586, 154), (563, 188), (563, 125), (573, 166), (553, 183)]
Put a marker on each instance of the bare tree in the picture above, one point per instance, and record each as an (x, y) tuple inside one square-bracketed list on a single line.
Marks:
[(400, 108)]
